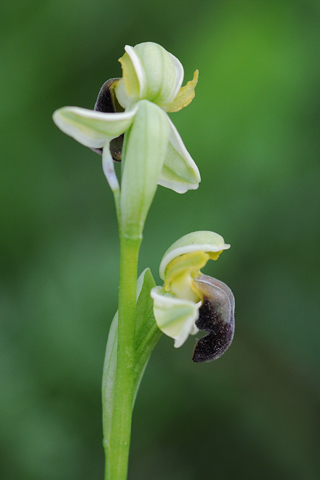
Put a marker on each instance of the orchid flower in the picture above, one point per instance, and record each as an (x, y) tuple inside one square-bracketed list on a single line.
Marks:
[(136, 106), (130, 124), (190, 301)]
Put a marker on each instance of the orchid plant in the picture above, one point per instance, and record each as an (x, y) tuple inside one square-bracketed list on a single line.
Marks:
[(129, 124)]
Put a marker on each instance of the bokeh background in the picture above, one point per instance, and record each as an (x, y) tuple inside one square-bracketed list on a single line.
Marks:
[(253, 130)]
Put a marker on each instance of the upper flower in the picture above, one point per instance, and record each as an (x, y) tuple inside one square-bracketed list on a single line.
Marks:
[(136, 105), (152, 73), (190, 301)]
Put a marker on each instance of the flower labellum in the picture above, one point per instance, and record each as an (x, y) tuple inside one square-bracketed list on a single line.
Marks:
[(216, 316), (107, 103), (190, 301)]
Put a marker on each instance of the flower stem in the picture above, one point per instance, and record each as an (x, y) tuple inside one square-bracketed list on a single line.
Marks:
[(117, 446)]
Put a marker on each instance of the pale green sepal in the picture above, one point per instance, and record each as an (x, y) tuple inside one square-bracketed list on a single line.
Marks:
[(179, 173), (149, 72), (179, 78), (144, 157), (90, 128), (160, 72), (174, 316), (147, 336), (206, 241)]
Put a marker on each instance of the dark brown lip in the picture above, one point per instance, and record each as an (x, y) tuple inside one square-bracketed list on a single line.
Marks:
[(107, 103), (216, 316)]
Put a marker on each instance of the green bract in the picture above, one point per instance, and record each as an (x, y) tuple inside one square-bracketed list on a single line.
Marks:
[(177, 304), (153, 150)]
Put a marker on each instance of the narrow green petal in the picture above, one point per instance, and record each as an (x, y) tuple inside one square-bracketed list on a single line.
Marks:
[(179, 173), (92, 129), (143, 162), (175, 317)]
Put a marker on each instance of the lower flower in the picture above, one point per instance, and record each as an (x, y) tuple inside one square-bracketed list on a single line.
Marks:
[(190, 301)]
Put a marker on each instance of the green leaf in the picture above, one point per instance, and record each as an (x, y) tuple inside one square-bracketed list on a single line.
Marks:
[(147, 336), (147, 331), (108, 378)]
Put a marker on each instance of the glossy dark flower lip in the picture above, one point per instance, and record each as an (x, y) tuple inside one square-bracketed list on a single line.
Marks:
[(107, 103), (216, 317)]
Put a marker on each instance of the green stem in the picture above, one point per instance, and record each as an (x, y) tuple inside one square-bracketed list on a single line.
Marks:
[(117, 448)]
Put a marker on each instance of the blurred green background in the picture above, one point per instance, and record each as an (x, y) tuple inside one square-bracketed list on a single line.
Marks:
[(253, 130)]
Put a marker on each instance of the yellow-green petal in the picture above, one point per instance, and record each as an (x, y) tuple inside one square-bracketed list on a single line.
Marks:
[(132, 85), (185, 95)]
